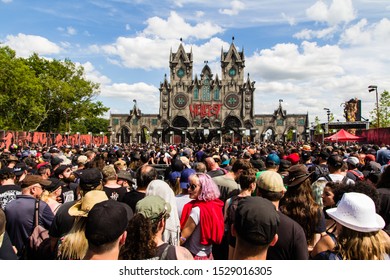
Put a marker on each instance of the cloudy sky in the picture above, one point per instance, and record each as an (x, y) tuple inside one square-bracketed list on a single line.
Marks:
[(312, 54)]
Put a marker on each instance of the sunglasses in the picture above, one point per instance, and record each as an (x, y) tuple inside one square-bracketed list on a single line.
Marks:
[(191, 186)]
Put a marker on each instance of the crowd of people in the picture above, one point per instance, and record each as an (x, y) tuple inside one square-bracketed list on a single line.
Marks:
[(275, 201)]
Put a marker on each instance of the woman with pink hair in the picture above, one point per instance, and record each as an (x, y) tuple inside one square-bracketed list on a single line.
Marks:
[(202, 220)]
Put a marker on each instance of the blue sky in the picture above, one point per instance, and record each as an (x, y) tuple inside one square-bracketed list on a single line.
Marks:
[(312, 54)]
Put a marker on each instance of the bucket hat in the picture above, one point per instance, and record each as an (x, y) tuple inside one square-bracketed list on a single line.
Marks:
[(357, 211)]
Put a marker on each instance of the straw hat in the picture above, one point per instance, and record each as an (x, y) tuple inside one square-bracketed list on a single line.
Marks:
[(83, 206)]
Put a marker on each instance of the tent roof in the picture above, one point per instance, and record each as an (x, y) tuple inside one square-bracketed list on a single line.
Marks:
[(343, 136)]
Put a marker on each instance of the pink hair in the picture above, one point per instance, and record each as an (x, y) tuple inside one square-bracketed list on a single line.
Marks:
[(209, 190)]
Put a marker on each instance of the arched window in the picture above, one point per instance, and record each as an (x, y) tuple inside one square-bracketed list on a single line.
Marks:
[(196, 93), (206, 90), (216, 94)]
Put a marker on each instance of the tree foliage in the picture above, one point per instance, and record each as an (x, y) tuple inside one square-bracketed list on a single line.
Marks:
[(384, 111), (45, 95)]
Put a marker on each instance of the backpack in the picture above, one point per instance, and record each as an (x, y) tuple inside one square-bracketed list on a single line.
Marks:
[(38, 242), (359, 177)]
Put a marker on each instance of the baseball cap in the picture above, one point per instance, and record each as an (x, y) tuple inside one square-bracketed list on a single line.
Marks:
[(30, 180), (273, 159), (353, 161), (82, 159), (61, 169), (153, 207), (293, 158), (256, 220), (270, 181), (106, 221), (55, 184), (19, 168), (184, 178), (90, 178), (172, 177)]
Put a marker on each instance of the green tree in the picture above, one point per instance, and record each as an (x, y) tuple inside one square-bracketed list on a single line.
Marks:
[(384, 111), (45, 95)]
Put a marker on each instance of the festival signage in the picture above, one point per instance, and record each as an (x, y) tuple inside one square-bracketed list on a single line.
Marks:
[(205, 110)]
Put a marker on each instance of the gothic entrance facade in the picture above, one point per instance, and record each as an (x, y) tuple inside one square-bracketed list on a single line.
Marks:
[(207, 107)]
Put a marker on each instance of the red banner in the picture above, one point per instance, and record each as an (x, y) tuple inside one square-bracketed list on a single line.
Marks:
[(205, 110)]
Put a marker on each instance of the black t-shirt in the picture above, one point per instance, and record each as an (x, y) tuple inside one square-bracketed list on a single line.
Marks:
[(115, 193), (292, 244), (69, 192), (131, 198), (62, 222), (8, 193)]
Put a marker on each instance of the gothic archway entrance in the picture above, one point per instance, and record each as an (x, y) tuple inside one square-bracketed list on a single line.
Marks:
[(125, 135), (180, 124), (232, 126)]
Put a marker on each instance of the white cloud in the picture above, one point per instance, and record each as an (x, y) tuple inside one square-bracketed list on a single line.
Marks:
[(199, 14), (236, 7), (6, 1), (127, 27), (147, 96), (71, 31), (93, 75), (285, 61), (308, 34), (289, 19), (26, 45), (362, 34), (175, 27), (338, 12), (150, 48)]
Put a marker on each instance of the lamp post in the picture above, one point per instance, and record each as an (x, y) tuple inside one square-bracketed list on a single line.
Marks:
[(102, 134), (328, 114), (171, 136), (158, 136), (294, 135), (370, 89), (220, 136), (322, 133), (78, 138), (90, 138), (184, 132)]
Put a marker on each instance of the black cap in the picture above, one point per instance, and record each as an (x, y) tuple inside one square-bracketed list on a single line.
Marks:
[(106, 221), (61, 170), (90, 178), (256, 220), (55, 184), (19, 168)]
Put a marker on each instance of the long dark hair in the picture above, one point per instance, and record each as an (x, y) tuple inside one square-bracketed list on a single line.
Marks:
[(140, 244), (298, 203)]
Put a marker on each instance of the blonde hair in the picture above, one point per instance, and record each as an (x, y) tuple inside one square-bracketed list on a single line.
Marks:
[(74, 245), (354, 245)]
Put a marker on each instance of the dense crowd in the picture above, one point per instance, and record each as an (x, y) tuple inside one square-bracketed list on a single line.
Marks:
[(291, 201)]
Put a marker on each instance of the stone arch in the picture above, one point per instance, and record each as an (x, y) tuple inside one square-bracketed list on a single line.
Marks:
[(232, 122), (268, 133), (125, 135), (206, 123), (290, 134), (181, 122), (145, 134)]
